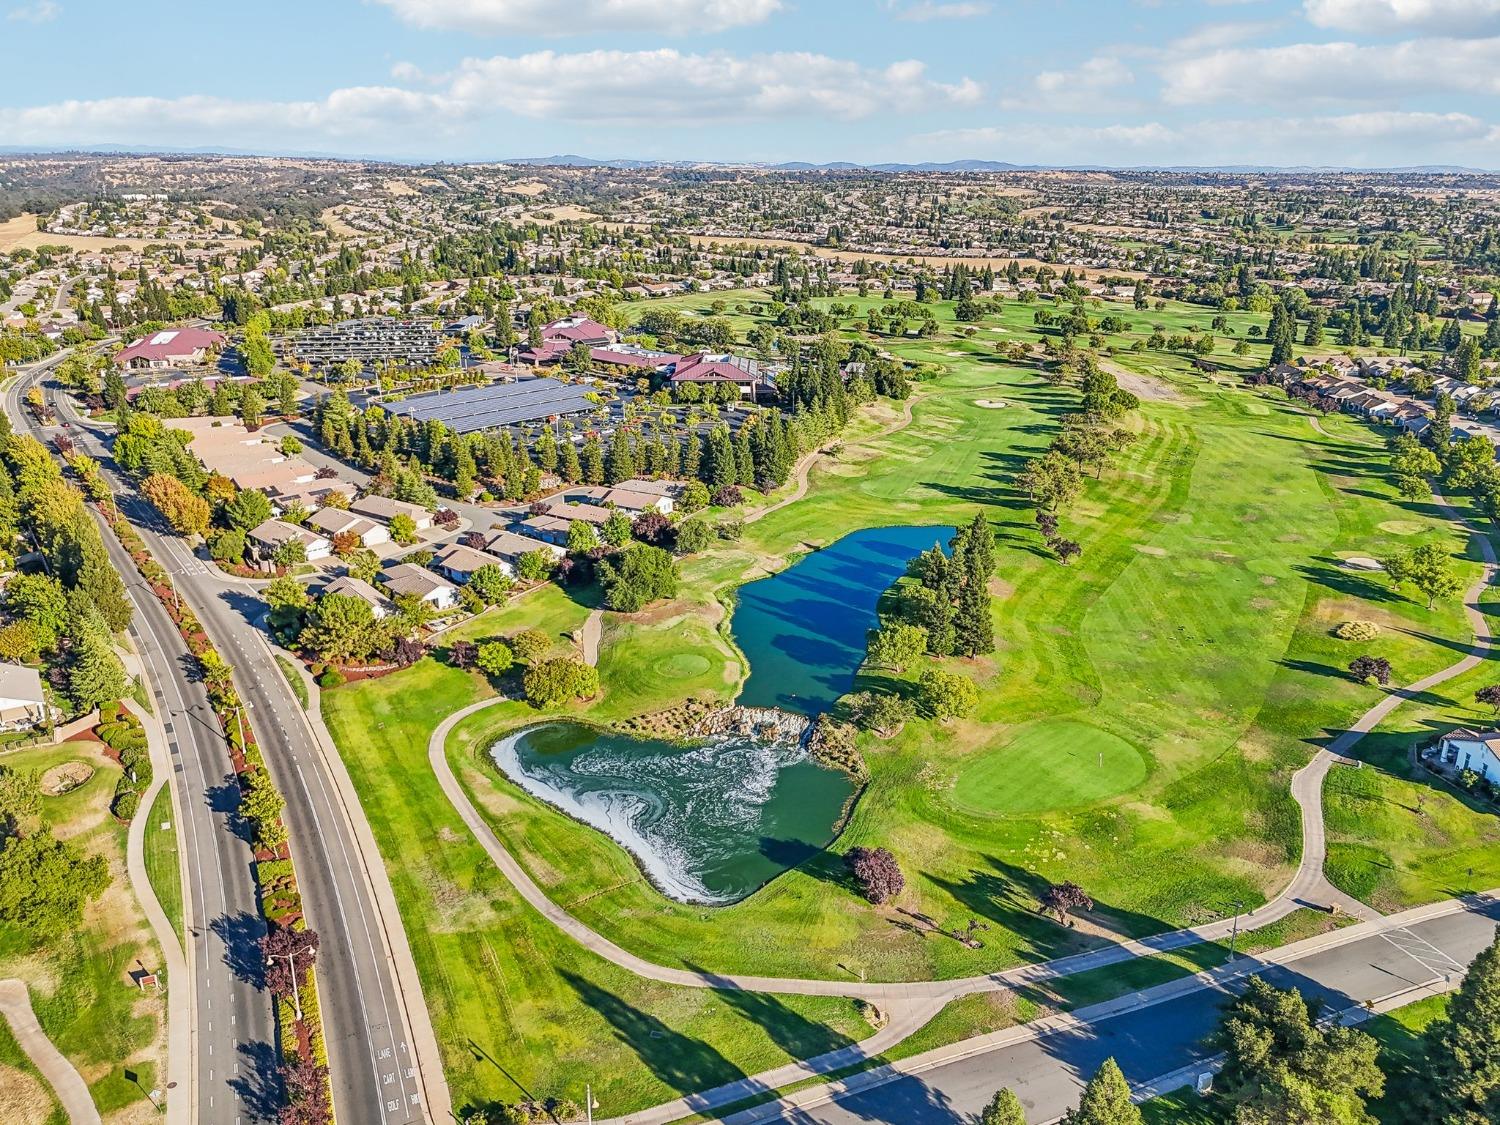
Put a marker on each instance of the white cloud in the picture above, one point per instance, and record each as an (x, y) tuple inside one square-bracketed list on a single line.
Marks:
[(1442, 17), (43, 11), (1357, 139), (666, 86), (1091, 86), (652, 88), (927, 10), (1334, 72), (546, 17)]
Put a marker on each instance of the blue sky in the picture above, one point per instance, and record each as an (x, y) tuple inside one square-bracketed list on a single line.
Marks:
[(1367, 83)]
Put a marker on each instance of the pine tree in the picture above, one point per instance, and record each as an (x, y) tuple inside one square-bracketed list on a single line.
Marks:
[(593, 461), (1004, 1109), (1463, 1049), (1106, 1100)]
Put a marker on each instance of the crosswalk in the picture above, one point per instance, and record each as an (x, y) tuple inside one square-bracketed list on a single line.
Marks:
[(1423, 952)]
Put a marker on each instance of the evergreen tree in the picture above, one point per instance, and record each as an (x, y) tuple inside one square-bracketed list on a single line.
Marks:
[(1463, 1049), (1106, 1100), (1004, 1109)]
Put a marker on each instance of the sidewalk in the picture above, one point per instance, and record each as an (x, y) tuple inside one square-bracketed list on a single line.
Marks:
[(179, 980), (66, 1082)]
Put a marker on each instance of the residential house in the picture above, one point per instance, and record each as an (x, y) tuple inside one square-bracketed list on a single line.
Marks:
[(334, 522), (508, 547), (383, 509), (23, 704), (352, 587), (409, 580), (269, 536), (459, 562), (1466, 749)]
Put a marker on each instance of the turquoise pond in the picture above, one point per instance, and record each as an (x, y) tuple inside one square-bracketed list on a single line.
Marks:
[(714, 820)]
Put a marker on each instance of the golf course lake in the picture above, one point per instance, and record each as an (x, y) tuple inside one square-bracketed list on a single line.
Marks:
[(713, 820), (803, 630), (708, 823)]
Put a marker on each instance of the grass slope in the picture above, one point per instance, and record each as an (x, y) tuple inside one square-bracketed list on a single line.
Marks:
[(80, 985)]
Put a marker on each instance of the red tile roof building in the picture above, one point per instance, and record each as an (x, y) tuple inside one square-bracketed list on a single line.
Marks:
[(169, 346)]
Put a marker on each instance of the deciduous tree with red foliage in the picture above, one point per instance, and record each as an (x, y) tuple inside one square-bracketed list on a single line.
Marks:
[(875, 872), (280, 949)]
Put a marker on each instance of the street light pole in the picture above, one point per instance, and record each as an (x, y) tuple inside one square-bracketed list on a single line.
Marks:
[(1235, 932), (291, 959)]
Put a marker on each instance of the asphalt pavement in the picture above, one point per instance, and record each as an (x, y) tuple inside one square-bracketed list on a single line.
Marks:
[(1048, 1073), (233, 1038), (375, 1072)]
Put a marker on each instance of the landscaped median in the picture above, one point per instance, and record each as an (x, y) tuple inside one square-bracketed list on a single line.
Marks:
[(304, 1055)]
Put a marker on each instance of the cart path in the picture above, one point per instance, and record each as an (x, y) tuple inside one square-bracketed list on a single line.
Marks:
[(66, 1082), (803, 472), (909, 1000)]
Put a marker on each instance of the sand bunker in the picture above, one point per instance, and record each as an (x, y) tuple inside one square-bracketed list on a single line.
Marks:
[(1360, 562), (990, 403)]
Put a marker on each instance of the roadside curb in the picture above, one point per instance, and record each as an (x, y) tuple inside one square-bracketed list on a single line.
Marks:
[(436, 1099)]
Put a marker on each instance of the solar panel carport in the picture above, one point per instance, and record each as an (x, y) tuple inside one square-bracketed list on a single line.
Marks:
[(497, 404)]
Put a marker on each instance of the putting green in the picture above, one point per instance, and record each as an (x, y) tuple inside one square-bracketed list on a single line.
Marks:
[(681, 666), (1052, 764)]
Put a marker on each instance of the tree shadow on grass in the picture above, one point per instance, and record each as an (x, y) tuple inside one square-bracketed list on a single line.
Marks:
[(794, 1033), (904, 1102), (1010, 897), (819, 863), (680, 1062), (1365, 585)]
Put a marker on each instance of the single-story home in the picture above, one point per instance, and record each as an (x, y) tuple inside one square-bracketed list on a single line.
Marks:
[(352, 587), (410, 580), (596, 514), (621, 496), (23, 704), (333, 522), (547, 529), (459, 562), (508, 547), (1466, 749), (273, 533), (168, 347), (383, 509)]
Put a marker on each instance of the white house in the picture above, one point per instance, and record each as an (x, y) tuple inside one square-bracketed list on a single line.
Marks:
[(1465, 749), (334, 522), (273, 533), (420, 583), (22, 702)]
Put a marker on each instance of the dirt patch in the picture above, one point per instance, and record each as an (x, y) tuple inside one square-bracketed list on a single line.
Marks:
[(21, 233), (1000, 588), (399, 187), (1147, 549), (1144, 387), (23, 1098), (530, 187), (330, 219), (65, 777)]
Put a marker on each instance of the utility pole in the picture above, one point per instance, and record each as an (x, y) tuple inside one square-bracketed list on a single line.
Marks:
[(1235, 932), (588, 1101)]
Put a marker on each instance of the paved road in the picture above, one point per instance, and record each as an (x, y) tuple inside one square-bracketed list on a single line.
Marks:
[(1049, 1072), (233, 1041), (377, 1079)]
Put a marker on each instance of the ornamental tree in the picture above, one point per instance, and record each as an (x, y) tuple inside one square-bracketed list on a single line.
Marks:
[(875, 872)]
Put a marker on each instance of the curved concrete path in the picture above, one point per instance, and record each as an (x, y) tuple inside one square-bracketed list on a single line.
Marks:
[(912, 1003), (66, 1082), (180, 1043)]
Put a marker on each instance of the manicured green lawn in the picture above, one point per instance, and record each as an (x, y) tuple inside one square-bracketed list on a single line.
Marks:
[(1051, 764), (1191, 645), (516, 1005), (79, 981), (163, 863)]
